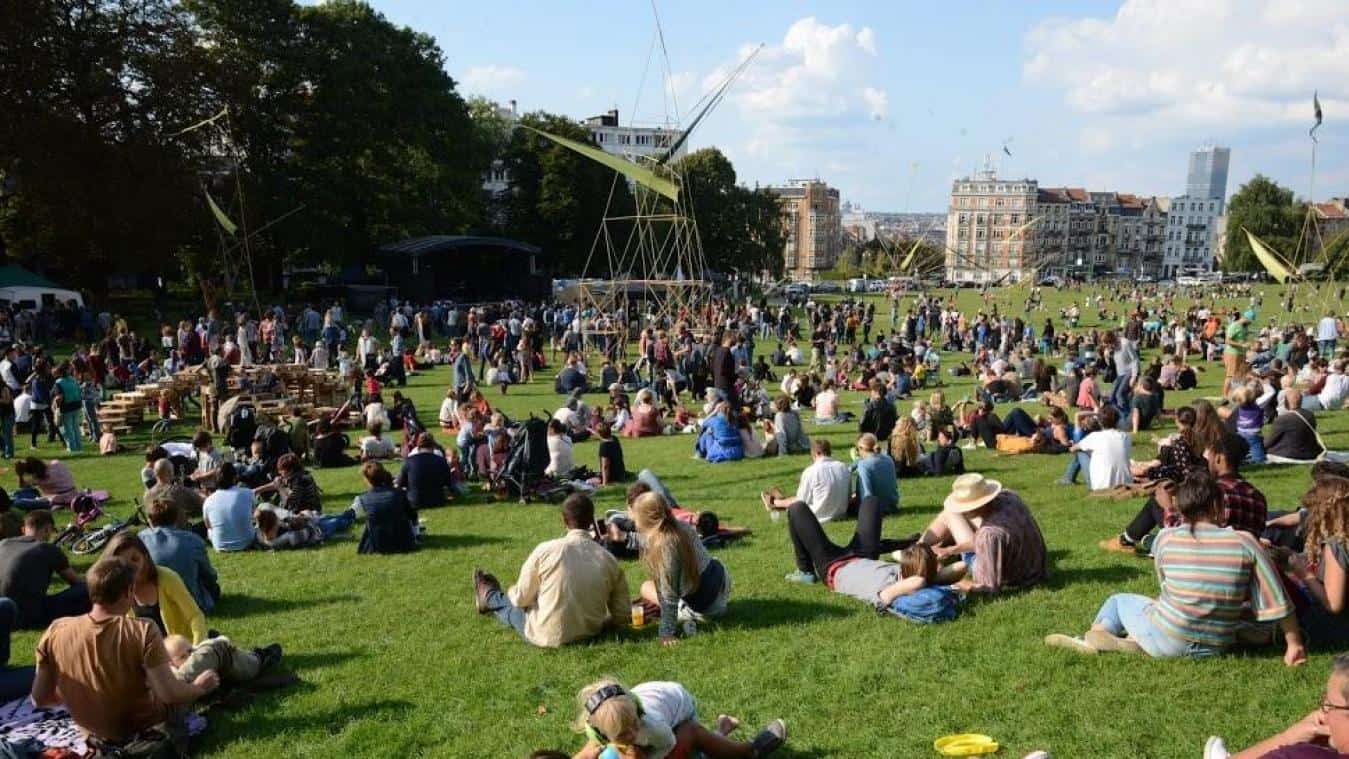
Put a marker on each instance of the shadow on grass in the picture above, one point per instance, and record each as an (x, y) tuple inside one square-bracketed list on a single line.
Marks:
[(265, 722), (440, 542), (318, 659), (760, 613), (233, 606), (1110, 574)]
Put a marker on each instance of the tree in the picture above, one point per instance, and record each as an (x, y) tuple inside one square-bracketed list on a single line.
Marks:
[(740, 229), (1269, 212), (558, 198)]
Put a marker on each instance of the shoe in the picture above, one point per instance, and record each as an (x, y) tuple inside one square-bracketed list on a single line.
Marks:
[(770, 738), (1117, 544), (1069, 642), (1104, 641), (483, 584), (1215, 748), (268, 656), (1061, 481), (802, 578)]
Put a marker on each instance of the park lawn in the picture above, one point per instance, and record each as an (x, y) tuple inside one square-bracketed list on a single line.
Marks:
[(395, 662)]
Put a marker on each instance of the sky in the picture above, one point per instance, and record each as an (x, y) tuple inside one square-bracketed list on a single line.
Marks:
[(891, 101)]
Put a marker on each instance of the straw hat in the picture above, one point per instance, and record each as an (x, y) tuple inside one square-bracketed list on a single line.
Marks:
[(970, 491)]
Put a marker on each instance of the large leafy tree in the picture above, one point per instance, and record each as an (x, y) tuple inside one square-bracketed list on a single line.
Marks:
[(741, 229), (1270, 212), (90, 90)]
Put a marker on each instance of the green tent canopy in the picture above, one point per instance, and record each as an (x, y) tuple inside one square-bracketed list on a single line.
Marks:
[(18, 285)]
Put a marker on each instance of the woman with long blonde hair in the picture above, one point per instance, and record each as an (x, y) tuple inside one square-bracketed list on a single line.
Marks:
[(905, 448), (1323, 567), (687, 584)]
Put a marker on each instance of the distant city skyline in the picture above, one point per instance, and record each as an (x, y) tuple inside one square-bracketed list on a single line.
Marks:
[(889, 104)]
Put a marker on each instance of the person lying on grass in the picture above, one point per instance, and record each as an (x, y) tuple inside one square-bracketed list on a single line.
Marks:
[(856, 569), (1322, 734), (660, 719), (621, 536), (992, 531), (234, 665), (688, 585), (569, 589), (1212, 579)]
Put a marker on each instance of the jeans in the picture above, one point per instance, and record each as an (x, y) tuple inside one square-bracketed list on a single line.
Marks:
[(1312, 403), (331, 524), (1122, 392), (1256, 455), (15, 682), (649, 478), (7, 436), (1325, 348), (70, 428), (510, 615), (813, 549), (91, 413), (1127, 614), (1076, 464)]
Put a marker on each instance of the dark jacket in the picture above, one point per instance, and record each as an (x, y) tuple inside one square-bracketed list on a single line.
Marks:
[(878, 418), (425, 476), (723, 369), (1293, 436), (390, 522)]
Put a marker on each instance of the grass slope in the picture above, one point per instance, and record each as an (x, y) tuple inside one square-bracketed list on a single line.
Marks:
[(396, 663)]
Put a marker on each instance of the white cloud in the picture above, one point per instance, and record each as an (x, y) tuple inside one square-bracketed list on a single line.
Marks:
[(1167, 67), (492, 79), (876, 101)]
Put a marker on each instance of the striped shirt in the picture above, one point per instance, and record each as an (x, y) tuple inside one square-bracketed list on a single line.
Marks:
[(1207, 578)]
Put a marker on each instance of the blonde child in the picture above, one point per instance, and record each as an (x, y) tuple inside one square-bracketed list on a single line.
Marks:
[(233, 664), (687, 584), (919, 415), (657, 719)]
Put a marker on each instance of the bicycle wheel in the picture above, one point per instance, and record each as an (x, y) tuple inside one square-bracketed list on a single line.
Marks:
[(90, 542)]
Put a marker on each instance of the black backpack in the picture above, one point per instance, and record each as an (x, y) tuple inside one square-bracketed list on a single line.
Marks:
[(275, 441), (243, 424)]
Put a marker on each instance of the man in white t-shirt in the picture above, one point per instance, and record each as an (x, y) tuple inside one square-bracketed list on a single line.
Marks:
[(1108, 449), (824, 486), (1333, 392)]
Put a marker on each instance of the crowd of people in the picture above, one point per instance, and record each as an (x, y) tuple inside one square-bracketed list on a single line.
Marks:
[(128, 645)]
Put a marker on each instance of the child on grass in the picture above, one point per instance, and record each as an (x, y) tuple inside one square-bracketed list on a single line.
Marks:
[(659, 719), (688, 585), (233, 664)]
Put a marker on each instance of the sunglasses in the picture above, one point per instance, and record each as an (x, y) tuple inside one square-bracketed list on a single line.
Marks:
[(1328, 707)]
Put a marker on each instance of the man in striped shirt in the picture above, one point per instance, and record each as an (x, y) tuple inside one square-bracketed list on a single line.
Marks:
[(1211, 579)]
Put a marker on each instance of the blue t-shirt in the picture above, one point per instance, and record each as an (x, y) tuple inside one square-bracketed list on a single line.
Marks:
[(230, 516), (876, 476)]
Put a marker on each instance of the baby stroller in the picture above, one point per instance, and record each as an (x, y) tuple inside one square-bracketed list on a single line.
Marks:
[(181, 455), (522, 476)]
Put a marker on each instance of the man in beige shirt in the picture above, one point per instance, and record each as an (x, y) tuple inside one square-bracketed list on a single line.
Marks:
[(569, 588)]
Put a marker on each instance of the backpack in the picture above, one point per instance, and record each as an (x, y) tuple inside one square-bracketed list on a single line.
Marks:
[(298, 431), (930, 605), (240, 427), (275, 441)]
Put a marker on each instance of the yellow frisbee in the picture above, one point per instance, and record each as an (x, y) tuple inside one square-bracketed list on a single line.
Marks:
[(965, 744)]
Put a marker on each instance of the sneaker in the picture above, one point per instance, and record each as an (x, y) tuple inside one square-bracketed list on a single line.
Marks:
[(802, 578), (690, 628), (268, 656), (770, 738), (1069, 642), (1117, 544), (1062, 481), (1215, 748), (483, 584), (1104, 641)]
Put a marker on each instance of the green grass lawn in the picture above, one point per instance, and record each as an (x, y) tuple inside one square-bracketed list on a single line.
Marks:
[(396, 663)]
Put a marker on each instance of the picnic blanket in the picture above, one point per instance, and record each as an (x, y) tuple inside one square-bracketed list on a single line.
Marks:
[(54, 728)]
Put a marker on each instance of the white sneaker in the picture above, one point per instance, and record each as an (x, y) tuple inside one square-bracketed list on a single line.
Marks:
[(1215, 748)]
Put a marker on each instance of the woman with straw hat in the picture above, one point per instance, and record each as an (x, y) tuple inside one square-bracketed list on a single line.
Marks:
[(993, 531)]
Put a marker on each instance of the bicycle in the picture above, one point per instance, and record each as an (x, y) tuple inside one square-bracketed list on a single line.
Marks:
[(93, 541), (85, 511)]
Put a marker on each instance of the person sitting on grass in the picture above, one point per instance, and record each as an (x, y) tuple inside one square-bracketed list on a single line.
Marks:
[(1321, 571), (426, 475), (27, 563), (688, 585), (376, 445), (209, 461), (1292, 438), (183, 551), (611, 466), (656, 720), (993, 532), (159, 594), (786, 435), (1212, 579), (561, 462), (188, 500), (645, 420), (1145, 406), (330, 447), (110, 670), (945, 458), (823, 488), (719, 438), (876, 475), (390, 521), (1107, 450), (297, 488), (228, 513), (53, 480), (569, 589), (1322, 734), (1244, 507)]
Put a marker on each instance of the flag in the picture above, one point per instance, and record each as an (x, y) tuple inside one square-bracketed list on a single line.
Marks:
[(1316, 112), (1005, 150), (220, 216)]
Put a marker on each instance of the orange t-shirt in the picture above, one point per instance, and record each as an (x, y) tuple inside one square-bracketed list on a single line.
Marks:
[(101, 672)]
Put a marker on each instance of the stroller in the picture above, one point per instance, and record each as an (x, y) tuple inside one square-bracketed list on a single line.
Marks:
[(522, 476)]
